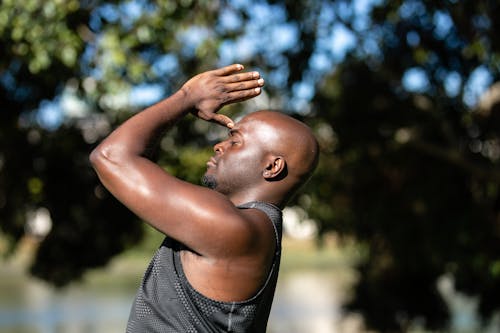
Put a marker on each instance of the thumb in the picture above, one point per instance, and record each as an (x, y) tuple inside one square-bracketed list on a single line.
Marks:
[(222, 120)]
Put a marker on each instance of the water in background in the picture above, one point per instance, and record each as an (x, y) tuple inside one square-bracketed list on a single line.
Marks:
[(308, 298), (312, 287), (306, 301)]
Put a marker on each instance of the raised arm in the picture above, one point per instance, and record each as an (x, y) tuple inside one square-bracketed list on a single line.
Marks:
[(194, 215)]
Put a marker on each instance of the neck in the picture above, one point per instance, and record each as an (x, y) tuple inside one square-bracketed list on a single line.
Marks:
[(249, 196)]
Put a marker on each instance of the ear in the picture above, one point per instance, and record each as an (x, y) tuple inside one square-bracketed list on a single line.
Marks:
[(275, 168)]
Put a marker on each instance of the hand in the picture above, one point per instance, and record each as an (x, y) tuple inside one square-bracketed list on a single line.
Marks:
[(208, 92)]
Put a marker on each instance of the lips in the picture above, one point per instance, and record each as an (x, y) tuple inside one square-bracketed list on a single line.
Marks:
[(212, 162)]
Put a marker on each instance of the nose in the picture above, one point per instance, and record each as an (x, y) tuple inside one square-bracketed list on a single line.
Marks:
[(219, 148)]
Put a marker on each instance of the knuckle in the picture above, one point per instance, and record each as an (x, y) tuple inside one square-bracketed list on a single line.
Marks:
[(244, 94), (221, 88)]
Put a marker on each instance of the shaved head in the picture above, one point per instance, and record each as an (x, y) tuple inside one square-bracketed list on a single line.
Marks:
[(285, 136), (267, 156)]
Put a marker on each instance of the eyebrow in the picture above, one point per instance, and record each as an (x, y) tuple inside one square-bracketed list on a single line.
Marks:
[(233, 132)]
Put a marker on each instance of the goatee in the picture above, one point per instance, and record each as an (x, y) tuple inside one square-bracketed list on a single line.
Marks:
[(209, 181)]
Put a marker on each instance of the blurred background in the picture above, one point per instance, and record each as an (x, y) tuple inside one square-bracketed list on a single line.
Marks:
[(399, 229)]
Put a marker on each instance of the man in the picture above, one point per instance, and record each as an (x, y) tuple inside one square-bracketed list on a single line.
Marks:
[(216, 271)]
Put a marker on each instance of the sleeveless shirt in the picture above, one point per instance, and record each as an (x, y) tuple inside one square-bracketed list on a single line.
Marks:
[(166, 301)]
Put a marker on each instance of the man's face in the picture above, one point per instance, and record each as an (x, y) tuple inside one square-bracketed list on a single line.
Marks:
[(238, 162)]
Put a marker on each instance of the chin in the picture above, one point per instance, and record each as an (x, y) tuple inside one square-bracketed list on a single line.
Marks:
[(209, 181)]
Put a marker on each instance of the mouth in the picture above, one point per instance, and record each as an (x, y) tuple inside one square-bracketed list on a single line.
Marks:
[(212, 163)]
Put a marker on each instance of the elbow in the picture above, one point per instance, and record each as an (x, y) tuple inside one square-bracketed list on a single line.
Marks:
[(96, 157), (101, 156)]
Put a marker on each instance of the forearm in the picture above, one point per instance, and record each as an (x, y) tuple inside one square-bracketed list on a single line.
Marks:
[(139, 134), (122, 155)]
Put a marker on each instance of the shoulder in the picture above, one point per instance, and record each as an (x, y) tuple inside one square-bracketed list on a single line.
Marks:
[(260, 231), (238, 232)]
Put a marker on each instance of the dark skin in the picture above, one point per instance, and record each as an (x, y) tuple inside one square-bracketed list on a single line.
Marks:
[(266, 156)]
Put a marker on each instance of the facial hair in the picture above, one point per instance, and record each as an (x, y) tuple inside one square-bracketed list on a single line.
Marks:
[(209, 181)]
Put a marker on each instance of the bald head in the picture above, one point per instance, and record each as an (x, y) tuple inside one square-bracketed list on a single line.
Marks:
[(285, 136), (266, 157)]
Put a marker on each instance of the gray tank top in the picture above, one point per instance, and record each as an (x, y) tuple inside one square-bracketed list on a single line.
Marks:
[(166, 302)]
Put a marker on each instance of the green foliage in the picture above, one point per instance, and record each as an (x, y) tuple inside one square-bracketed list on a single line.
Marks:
[(412, 174), (56, 51), (37, 33), (405, 176)]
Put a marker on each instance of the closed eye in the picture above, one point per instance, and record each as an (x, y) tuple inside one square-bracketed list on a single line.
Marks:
[(233, 137)]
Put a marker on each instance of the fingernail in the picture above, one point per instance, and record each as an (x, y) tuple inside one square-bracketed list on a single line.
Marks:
[(239, 66), (255, 74), (230, 125), (257, 90), (260, 81)]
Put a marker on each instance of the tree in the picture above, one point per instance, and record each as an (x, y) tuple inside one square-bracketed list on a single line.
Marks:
[(68, 73), (416, 170), (65, 69), (409, 164)]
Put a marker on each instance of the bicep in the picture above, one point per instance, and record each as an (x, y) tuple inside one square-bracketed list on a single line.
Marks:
[(202, 219)]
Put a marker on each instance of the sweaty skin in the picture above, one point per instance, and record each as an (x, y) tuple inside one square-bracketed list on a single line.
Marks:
[(266, 156)]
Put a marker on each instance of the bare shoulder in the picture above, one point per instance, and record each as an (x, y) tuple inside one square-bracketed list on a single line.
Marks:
[(264, 237), (237, 274), (247, 232)]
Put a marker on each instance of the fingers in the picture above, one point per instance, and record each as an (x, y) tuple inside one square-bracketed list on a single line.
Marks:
[(241, 77), (225, 86), (222, 120), (231, 74), (242, 95), (244, 85), (231, 69), (237, 86)]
